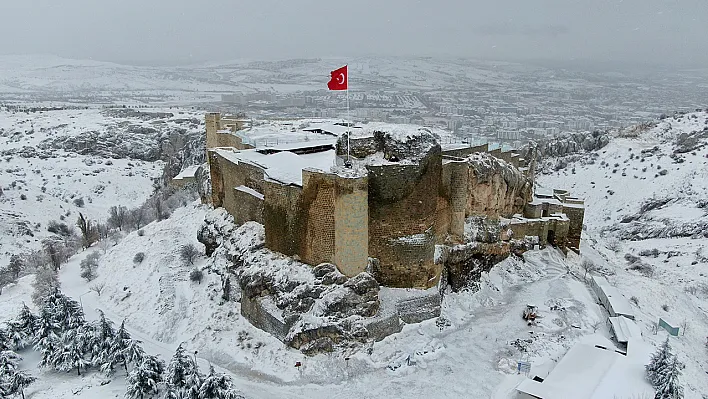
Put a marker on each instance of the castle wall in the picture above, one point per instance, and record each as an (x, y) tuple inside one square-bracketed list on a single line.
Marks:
[(402, 204), (496, 190), (282, 217), (318, 200), (225, 177), (452, 200), (576, 214), (351, 221), (464, 152), (248, 207)]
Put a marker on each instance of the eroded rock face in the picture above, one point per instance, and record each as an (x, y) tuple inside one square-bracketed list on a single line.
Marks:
[(569, 144), (464, 264), (496, 187)]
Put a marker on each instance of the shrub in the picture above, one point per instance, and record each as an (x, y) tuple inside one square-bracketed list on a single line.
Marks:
[(196, 275), (665, 307), (188, 253), (634, 300), (23, 197), (89, 266), (79, 202), (139, 257), (141, 233)]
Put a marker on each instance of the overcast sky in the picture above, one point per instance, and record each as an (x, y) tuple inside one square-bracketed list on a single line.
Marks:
[(670, 32)]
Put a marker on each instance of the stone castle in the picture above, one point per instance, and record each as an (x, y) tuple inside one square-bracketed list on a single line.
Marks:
[(382, 198)]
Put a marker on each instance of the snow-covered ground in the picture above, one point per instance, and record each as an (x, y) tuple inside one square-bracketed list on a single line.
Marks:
[(614, 202), (44, 168), (473, 349)]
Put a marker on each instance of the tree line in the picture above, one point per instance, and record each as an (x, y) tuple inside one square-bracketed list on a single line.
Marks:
[(68, 343)]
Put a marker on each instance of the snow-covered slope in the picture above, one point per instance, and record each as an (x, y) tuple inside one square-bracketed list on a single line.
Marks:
[(646, 223), (47, 162)]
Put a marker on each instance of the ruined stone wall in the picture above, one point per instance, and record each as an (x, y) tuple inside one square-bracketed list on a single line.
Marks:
[(464, 152), (530, 227), (453, 200), (213, 124), (351, 221), (560, 230), (576, 215), (282, 217), (402, 204)]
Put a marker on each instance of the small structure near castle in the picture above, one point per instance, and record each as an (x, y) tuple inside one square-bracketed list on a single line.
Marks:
[(382, 199)]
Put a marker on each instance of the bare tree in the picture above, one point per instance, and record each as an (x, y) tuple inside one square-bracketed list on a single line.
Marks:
[(56, 252), (89, 233), (98, 288), (588, 266), (118, 216), (188, 253), (138, 217), (104, 245)]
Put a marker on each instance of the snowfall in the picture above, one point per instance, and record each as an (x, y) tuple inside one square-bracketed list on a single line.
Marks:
[(471, 351)]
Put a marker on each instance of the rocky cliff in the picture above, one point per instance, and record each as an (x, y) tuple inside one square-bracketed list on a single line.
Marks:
[(569, 144), (496, 187)]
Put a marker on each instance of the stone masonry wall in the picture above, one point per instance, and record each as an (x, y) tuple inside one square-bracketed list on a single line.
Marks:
[(351, 220), (225, 177), (402, 204), (318, 198), (248, 207), (575, 228), (282, 217)]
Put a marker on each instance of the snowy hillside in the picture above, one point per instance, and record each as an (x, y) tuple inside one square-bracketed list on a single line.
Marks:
[(57, 163), (647, 225)]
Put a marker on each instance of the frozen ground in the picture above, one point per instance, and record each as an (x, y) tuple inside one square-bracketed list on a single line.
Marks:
[(41, 175), (472, 350)]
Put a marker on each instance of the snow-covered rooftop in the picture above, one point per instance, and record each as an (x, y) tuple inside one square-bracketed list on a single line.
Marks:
[(187, 173), (590, 372), (625, 329), (285, 167)]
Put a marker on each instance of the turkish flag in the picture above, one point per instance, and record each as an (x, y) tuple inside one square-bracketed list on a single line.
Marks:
[(339, 80)]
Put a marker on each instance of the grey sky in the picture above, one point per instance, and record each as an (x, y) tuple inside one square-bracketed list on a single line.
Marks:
[(671, 32)]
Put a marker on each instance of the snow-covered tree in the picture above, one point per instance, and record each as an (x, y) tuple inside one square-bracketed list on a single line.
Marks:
[(143, 380), (180, 366), (5, 343), (26, 320), (46, 338), (8, 362), (17, 383), (123, 350), (16, 337), (667, 384), (70, 353), (100, 343), (183, 378), (217, 386), (658, 360), (45, 282)]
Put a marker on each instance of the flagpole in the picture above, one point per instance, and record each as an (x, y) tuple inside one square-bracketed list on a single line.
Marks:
[(349, 132)]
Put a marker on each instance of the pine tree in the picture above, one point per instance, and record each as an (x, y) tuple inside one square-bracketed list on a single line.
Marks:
[(5, 343), (215, 385), (17, 339), (659, 359), (195, 379), (18, 382), (122, 351), (143, 380), (27, 321), (46, 338), (667, 384), (69, 354), (8, 362), (179, 368), (100, 344)]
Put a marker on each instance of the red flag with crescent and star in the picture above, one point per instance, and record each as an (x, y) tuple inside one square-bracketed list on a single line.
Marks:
[(339, 80)]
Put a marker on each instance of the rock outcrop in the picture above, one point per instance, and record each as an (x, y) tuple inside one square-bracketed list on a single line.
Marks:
[(464, 264), (569, 144), (496, 187)]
